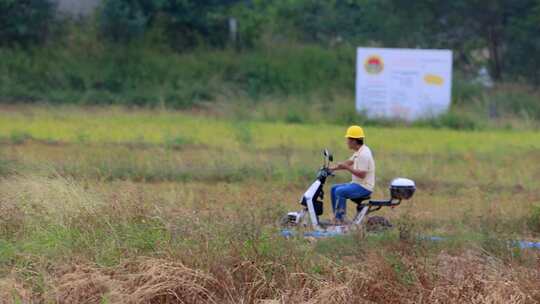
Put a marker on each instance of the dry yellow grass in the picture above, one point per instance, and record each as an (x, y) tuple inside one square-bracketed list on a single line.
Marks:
[(469, 277)]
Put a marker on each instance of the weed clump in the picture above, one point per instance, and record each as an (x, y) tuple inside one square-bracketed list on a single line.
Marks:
[(19, 137), (533, 221)]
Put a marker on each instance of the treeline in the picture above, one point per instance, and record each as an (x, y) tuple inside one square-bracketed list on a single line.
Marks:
[(181, 53), (503, 34)]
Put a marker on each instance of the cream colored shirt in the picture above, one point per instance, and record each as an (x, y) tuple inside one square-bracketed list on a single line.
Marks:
[(363, 161)]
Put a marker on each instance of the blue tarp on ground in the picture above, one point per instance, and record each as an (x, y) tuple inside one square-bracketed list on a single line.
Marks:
[(325, 234), (315, 234)]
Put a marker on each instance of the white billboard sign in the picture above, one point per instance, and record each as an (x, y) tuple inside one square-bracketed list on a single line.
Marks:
[(403, 83)]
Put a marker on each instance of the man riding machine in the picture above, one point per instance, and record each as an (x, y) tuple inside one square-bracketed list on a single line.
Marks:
[(361, 165)]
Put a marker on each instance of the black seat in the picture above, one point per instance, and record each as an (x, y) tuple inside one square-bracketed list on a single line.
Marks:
[(359, 200)]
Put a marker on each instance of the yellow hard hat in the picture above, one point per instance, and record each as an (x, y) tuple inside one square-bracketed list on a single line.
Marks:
[(355, 132)]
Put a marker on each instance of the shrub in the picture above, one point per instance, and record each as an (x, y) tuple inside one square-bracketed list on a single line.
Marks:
[(515, 102), (465, 90), (176, 142), (18, 137), (454, 120)]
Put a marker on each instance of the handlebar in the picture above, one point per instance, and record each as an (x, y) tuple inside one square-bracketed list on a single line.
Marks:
[(324, 172), (328, 158)]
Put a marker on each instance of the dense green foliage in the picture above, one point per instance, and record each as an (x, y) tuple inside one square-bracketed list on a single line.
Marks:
[(506, 30), (138, 75), (122, 21), (184, 23), (179, 53), (524, 44), (24, 22)]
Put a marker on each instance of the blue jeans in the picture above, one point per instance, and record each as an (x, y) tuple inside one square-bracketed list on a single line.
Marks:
[(341, 192)]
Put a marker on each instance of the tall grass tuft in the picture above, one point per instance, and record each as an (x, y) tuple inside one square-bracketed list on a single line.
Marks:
[(533, 221)]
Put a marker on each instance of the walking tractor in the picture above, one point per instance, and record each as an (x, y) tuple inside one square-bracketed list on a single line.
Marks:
[(312, 206)]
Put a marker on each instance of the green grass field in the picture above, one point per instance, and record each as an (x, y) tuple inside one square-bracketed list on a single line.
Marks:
[(110, 205)]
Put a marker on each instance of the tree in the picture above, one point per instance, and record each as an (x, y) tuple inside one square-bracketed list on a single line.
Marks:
[(461, 25), (124, 20), (186, 23), (25, 22), (523, 44)]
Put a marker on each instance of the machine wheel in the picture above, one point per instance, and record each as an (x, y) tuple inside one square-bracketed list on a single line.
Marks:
[(285, 222), (377, 224)]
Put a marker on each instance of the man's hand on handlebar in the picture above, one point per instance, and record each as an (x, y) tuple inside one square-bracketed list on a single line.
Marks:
[(341, 166)]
